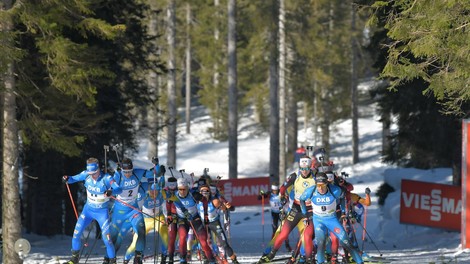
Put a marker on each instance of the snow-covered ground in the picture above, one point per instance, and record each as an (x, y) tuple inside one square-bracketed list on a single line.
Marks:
[(386, 236)]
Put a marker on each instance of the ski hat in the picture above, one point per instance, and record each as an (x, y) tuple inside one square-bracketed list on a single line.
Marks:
[(92, 168), (213, 190), (154, 187), (321, 178), (204, 188), (182, 182), (331, 176), (127, 164), (172, 183), (305, 162), (275, 187)]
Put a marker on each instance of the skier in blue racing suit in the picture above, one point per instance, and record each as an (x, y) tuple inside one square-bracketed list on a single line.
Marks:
[(324, 198), (99, 187)]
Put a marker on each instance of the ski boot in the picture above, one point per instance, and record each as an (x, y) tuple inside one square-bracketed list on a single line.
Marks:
[(288, 247), (170, 259), (334, 259), (234, 259), (267, 258), (105, 260), (74, 258), (162, 258), (126, 261), (138, 257), (290, 261), (183, 259), (112, 261)]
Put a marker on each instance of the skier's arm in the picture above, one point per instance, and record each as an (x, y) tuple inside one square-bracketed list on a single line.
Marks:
[(113, 184), (307, 194), (76, 178), (289, 181)]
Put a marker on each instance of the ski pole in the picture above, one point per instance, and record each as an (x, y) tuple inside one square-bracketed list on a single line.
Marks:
[(156, 240), (115, 147), (262, 216), (371, 240), (296, 252), (132, 207), (106, 149), (71, 200), (365, 225), (75, 210), (171, 171)]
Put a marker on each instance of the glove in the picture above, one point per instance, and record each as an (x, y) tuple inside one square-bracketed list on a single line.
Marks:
[(154, 160), (343, 218), (367, 190), (162, 170), (108, 193), (187, 215), (228, 205), (283, 200), (65, 178), (282, 215), (306, 221), (261, 192), (170, 219)]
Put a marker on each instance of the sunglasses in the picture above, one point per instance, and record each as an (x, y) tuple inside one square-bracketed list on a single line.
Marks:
[(127, 171), (304, 169), (181, 189)]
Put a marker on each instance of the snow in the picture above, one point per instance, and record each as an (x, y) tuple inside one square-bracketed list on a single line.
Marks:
[(400, 243)]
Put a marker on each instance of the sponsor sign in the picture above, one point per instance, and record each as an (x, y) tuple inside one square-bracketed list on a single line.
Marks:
[(244, 191), (465, 231), (430, 204)]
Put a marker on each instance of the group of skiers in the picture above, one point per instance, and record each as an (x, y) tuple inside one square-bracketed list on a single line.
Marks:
[(177, 208), (182, 210), (319, 202)]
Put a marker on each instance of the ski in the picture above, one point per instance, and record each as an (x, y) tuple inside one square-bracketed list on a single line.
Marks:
[(275, 260), (371, 260)]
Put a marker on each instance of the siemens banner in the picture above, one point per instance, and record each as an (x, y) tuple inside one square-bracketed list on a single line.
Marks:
[(430, 204)]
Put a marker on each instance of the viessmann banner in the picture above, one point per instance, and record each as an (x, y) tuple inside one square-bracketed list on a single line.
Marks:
[(430, 204), (244, 191)]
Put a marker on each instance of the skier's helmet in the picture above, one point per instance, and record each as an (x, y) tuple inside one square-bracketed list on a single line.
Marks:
[(321, 178), (305, 162), (172, 183), (182, 183), (127, 164), (92, 166)]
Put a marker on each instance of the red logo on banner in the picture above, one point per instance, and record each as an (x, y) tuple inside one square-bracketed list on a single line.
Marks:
[(244, 191), (430, 204)]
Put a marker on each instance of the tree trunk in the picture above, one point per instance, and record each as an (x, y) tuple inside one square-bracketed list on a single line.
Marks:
[(354, 102), (282, 93), (188, 68), (274, 103), (386, 123), (11, 218), (172, 114), (152, 116), (215, 76), (292, 125), (232, 91)]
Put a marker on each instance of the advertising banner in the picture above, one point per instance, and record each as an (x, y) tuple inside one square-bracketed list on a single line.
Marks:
[(244, 191), (430, 204), (465, 231)]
